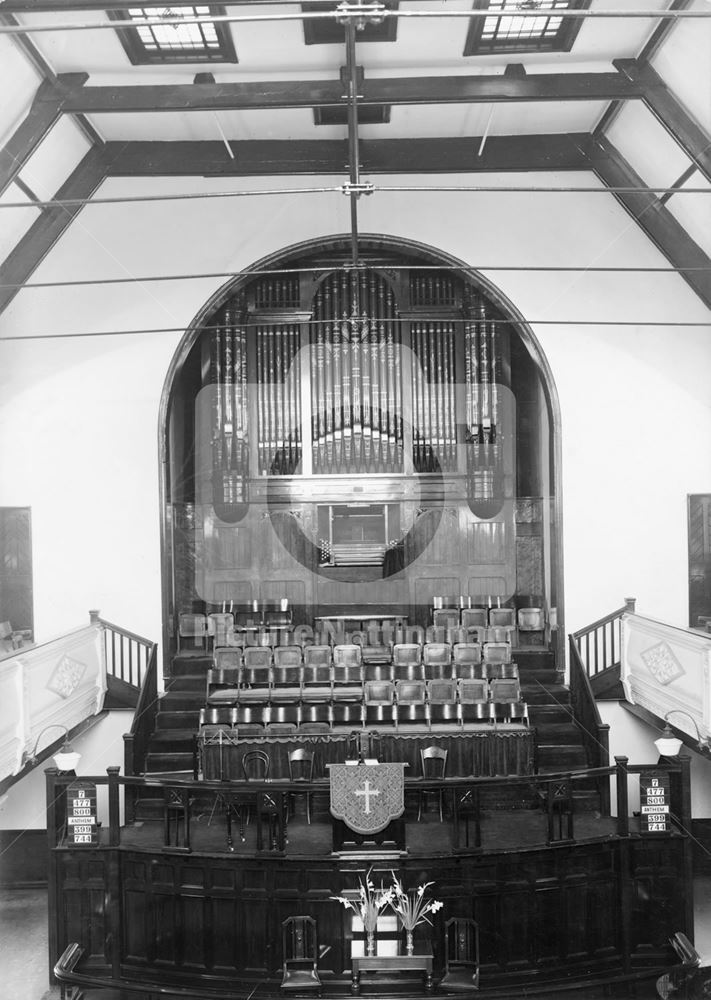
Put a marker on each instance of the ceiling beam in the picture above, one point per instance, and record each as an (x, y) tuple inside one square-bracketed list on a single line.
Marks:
[(691, 136), (652, 215), (274, 157), (44, 113), (78, 99), (44, 232)]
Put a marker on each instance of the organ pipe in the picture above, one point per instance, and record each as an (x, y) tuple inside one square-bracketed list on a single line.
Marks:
[(357, 377), (230, 451)]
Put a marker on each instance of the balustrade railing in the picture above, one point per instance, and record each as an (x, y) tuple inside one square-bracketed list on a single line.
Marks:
[(183, 802), (144, 722), (599, 645), (595, 733), (127, 654)]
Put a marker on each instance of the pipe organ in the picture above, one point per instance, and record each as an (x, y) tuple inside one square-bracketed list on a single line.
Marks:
[(400, 378), (400, 386)]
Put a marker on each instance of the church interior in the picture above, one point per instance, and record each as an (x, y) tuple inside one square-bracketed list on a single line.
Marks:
[(354, 366)]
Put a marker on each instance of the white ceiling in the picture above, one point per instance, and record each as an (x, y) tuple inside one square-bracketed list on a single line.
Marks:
[(276, 51)]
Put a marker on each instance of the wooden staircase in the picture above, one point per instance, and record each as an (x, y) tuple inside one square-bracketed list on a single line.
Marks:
[(559, 745)]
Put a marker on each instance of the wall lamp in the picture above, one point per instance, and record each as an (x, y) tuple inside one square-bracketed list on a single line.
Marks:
[(65, 759), (669, 745)]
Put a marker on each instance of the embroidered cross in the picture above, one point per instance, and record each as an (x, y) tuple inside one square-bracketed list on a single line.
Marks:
[(367, 791)]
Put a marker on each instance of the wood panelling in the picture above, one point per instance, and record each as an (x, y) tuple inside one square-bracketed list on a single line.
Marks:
[(204, 915)]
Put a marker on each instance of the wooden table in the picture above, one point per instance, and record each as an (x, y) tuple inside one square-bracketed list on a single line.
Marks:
[(391, 963)]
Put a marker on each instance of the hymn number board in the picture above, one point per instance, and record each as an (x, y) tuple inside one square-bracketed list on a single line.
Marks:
[(82, 827), (654, 802)]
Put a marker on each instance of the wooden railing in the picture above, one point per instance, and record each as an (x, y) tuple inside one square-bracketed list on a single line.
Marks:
[(144, 721), (595, 733), (127, 654), (599, 645)]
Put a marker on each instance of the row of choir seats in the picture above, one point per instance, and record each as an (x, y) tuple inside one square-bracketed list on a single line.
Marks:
[(337, 683), (217, 627), (379, 703), (402, 655), (451, 612)]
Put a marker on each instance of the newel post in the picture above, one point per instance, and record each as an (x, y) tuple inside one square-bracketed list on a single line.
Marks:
[(94, 616), (630, 604)]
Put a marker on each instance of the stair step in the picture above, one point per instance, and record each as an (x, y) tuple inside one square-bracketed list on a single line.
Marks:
[(187, 682), (561, 757), (543, 714), (546, 694), (187, 718), (181, 701), (190, 663), (169, 760), (553, 733)]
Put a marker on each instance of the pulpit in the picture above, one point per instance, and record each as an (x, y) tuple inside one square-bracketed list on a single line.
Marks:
[(367, 804)]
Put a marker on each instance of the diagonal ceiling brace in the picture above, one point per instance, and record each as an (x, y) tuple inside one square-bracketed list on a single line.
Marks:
[(652, 216), (44, 113), (683, 127)]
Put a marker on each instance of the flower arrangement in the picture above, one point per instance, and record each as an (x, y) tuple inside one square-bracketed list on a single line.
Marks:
[(412, 908), (368, 905)]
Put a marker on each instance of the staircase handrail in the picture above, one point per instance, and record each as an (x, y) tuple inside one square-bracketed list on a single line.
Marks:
[(127, 653), (605, 633), (595, 733), (144, 719)]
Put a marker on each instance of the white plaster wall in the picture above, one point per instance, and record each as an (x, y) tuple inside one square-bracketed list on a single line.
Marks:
[(23, 807), (634, 739), (78, 415)]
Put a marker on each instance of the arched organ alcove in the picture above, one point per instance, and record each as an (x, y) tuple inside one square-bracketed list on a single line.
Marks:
[(372, 437)]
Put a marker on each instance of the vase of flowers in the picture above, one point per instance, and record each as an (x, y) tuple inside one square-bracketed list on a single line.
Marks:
[(412, 908), (367, 905)]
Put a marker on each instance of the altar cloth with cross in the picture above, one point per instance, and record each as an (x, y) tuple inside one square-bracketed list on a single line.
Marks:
[(366, 797)]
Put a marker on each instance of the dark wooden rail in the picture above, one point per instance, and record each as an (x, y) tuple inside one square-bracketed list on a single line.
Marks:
[(599, 645), (144, 721), (127, 654), (595, 733)]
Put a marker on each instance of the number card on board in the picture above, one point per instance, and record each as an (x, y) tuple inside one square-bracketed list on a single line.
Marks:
[(82, 827), (654, 802)]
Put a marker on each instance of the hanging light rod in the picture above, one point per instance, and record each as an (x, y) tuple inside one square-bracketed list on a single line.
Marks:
[(344, 12), (283, 271), (671, 324), (350, 189)]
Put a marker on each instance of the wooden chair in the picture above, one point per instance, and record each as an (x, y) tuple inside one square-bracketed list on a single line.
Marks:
[(220, 626), (410, 703), (255, 767), (300, 955), (301, 768), (227, 657), (442, 702), (223, 686), (437, 654), (317, 655), (192, 626), (434, 765), (474, 617), (461, 970), (497, 652), (347, 654), (466, 653), (379, 702)]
